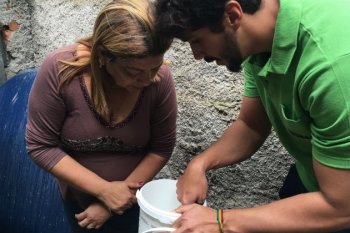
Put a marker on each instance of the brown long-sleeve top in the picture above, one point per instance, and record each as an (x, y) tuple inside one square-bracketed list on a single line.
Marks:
[(66, 123)]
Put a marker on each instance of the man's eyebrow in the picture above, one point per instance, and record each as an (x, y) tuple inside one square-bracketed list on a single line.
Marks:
[(185, 37)]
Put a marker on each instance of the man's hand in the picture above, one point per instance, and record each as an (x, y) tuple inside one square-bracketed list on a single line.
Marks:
[(192, 186), (196, 219)]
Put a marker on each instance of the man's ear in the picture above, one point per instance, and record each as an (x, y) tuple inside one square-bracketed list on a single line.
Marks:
[(234, 13)]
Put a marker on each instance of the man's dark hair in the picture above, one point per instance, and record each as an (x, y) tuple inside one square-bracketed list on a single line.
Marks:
[(175, 18)]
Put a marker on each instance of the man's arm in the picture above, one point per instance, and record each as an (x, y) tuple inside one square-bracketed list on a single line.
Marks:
[(242, 139), (324, 211), (238, 143)]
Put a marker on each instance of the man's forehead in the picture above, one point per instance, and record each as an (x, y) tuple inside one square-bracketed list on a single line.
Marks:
[(190, 34), (186, 36)]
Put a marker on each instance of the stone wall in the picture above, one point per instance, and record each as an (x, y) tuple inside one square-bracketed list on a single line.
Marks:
[(209, 98)]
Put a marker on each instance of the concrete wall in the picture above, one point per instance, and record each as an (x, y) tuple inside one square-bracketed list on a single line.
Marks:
[(209, 98)]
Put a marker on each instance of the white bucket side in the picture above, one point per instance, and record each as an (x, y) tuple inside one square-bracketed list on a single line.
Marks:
[(160, 229), (163, 216), (151, 216), (147, 222)]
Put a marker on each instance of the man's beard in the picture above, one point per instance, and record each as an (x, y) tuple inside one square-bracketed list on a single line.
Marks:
[(230, 53)]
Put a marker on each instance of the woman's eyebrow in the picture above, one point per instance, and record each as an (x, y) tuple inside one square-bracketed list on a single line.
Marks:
[(137, 69)]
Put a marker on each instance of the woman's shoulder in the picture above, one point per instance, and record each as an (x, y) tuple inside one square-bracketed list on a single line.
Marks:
[(49, 68), (165, 72), (62, 53), (165, 85), (166, 77)]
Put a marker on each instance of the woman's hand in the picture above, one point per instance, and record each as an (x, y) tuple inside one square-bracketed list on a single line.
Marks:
[(119, 195), (94, 216)]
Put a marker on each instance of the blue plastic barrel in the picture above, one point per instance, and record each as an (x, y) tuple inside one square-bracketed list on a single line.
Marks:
[(29, 197)]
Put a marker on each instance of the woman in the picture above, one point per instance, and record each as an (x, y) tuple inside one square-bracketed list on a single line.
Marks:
[(102, 117)]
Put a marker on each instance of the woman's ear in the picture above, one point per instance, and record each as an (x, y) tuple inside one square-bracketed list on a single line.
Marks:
[(102, 56), (105, 55), (233, 13)]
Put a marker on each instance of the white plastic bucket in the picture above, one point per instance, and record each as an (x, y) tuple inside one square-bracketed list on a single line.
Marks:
[(157, 200)]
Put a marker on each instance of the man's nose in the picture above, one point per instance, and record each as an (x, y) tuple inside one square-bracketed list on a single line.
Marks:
[(197, 52)]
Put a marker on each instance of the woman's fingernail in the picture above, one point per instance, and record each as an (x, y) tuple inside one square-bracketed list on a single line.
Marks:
[(141, 183)]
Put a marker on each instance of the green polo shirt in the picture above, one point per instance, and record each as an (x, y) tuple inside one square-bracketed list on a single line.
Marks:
[(304, 83)]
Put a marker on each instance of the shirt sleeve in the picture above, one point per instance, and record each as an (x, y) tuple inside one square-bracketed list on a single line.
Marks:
[(163, 120), (326, 95), (250, 89), (46, 113)]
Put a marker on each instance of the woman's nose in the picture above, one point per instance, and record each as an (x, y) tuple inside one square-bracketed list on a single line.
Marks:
[(145, 79)]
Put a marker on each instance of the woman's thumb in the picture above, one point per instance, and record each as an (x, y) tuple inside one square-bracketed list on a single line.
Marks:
[(135, 185)]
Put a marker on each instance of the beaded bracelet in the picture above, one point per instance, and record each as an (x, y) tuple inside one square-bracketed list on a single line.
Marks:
[(220, 218)]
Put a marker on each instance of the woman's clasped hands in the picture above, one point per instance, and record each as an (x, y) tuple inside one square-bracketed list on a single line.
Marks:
[(119, 195), (115, 197), (94, 216)]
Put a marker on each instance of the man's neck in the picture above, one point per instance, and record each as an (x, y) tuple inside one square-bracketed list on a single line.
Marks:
[(257, 30)]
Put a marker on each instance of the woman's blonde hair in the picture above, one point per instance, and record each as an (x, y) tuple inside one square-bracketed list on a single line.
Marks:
[(123, 29)]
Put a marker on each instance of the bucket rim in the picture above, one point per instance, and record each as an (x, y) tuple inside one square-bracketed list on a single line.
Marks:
[(147, 205)]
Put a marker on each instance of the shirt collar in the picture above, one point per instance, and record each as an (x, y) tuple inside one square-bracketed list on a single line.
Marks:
[(285, 38)]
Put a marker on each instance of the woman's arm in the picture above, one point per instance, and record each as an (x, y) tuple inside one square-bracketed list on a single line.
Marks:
[(148, 168), (163, 130)]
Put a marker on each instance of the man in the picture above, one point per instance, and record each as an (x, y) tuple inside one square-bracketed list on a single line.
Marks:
[(297, 78)]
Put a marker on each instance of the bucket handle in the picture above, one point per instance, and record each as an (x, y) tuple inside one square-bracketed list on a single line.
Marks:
[(160, 229)]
